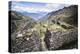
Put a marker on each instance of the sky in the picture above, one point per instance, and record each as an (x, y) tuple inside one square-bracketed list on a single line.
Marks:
[(37, 8)]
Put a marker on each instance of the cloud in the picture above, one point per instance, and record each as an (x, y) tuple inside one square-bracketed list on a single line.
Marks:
[(54, 7), (35, 9), (29, 9), (66, 5)]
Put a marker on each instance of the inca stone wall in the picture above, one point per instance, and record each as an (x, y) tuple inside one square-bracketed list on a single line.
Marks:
[(57, 39), (27, 43)]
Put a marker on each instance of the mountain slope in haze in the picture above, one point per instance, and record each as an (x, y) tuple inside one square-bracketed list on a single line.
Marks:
[(22, 39), (17, 19), (67, 14), (35, 16), (63, 19), (20, 23)]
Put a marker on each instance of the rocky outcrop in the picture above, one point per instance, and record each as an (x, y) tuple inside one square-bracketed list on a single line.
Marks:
[(27, 43), (55, 40)]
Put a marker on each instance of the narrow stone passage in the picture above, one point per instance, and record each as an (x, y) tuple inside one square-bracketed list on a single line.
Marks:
[(44, 48)]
